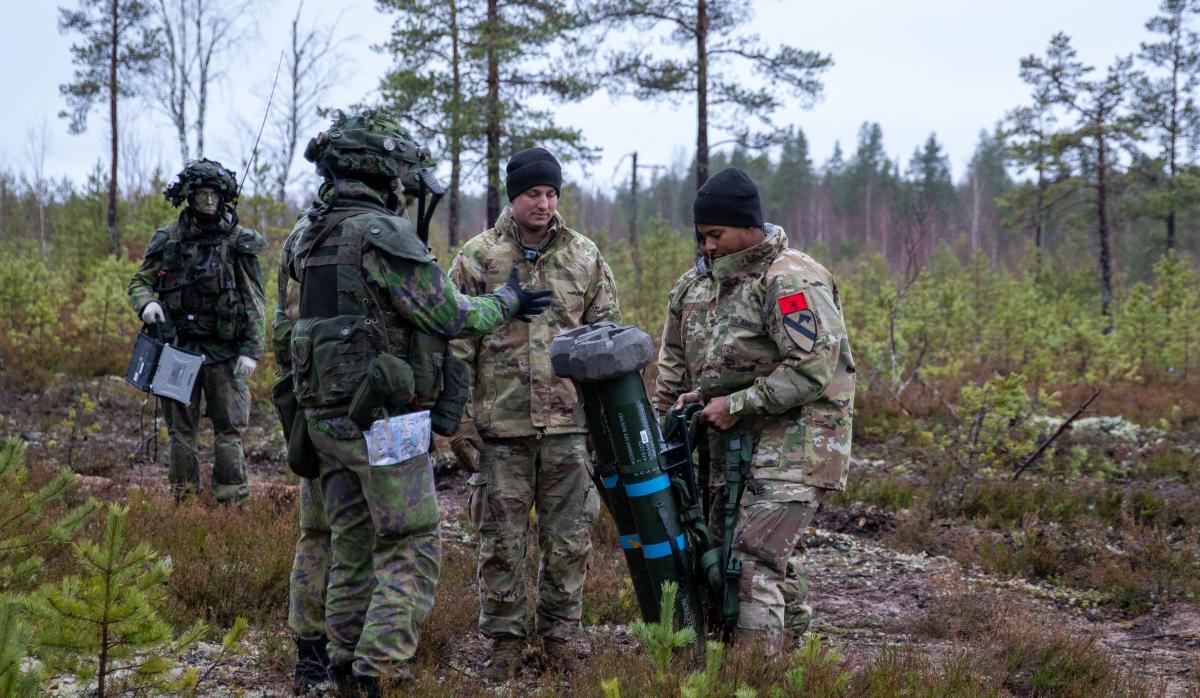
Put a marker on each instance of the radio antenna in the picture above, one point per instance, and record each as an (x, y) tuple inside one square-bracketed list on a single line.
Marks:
[(254, 150)]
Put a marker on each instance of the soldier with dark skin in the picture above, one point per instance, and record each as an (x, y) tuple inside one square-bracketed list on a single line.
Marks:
[(374, 305), (525, 438), (200, 287), (777, 366)]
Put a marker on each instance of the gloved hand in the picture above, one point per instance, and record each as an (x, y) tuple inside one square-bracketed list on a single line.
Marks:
[(531, 302), (153, 313), (467, 445), (244, 367)]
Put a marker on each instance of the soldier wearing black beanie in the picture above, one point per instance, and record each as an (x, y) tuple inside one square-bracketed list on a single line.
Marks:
[(728, 198), (529, 168)]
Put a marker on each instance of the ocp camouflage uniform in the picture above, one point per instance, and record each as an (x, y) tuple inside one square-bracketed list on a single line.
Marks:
[(779, 350), (682, 352), (535, 455), (314, 552), (684, 338), (378, 277), (209, 284)]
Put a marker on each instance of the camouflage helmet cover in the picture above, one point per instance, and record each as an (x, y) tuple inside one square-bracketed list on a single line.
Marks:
[(370, 143), (201, 173)]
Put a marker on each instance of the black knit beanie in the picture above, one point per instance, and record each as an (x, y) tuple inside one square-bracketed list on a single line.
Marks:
[(530, 168), (728, 198)]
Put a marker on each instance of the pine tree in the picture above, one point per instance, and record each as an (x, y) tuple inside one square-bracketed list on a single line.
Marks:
[(1103, 125), (708, 31), (1167, 103), (105, 624), (25, 526), (15, 637), (118, 46), (463, 72)]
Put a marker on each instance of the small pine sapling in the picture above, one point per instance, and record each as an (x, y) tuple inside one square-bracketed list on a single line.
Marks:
[(703, 684), (816, 672), (24, 525), (661, 639), (611, 688), (15, 637), (104, 625)]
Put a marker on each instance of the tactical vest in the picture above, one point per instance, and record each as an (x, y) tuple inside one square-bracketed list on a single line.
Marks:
[(344, 323), (197, 285)]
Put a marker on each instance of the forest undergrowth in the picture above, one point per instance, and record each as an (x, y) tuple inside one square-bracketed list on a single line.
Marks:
[(966, 376)]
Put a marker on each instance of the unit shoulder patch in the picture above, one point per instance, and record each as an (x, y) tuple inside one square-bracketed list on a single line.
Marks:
[(799, 320)]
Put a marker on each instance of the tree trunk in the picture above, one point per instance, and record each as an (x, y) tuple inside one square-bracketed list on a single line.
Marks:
[(633, 202), (867, 217), (114, 237), (453, 214), (701, 93), (1102, 226), (493, 115), (202, 58), (1173, 132), (976, 243)]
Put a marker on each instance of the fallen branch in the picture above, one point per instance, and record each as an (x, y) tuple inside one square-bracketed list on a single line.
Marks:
[(1033, 457)]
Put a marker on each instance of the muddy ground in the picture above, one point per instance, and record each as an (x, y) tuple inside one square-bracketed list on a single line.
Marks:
[(865, 594)]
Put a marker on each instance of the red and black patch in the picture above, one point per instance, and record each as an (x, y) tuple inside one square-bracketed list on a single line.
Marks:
[(799, 320)]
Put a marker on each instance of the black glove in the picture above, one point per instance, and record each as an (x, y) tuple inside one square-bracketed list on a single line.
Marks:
[(530, 302)]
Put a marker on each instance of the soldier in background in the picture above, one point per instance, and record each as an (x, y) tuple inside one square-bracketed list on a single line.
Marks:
[(778, 370), (375, 313), (531, 444), (200, 284)]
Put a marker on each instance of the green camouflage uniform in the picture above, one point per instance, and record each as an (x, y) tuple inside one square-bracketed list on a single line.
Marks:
[(535, 455), (384, 519), (209, 284), (778, 348), (314, 551)]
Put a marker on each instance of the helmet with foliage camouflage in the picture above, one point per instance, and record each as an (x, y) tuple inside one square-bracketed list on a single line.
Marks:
[(199, 174), (370, 144)]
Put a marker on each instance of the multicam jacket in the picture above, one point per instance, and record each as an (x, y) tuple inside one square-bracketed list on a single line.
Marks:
[(514, 391), (684, 343), (209, 284), (779, 349)]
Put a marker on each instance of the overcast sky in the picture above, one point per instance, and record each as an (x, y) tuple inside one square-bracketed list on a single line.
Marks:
[(916, 67)]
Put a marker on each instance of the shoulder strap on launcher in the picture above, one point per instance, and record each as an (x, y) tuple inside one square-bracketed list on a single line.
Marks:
[(741, 449)]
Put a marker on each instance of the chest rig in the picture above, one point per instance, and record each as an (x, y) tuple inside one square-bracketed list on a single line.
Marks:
[(345, 322), (198, 284)]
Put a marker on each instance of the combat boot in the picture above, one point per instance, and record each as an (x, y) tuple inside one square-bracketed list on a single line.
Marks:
[(368, 687), (312, 666), (560, 655), (506, 658), (343, 679)]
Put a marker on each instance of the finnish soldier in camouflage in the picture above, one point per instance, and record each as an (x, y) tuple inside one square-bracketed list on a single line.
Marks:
[(374, 305), (531, 443), (200, 284), (314, 552), (777, 366)]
